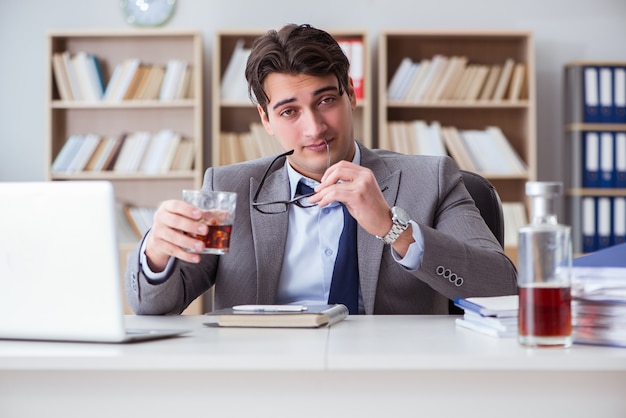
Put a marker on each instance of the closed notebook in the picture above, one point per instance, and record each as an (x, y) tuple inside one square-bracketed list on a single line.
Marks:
[(314, 316)]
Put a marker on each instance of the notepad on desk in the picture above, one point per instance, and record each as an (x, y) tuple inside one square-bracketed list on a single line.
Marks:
[(277, 316), (495, 316)]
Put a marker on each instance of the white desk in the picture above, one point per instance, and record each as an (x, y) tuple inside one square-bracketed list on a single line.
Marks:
[(370, 366)]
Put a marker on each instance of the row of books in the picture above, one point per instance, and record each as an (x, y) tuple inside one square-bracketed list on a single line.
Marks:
[(486, 151), (79, 77), (604, 155), (234, 87), (136, 152), (604, 88), (245, 146), (603, 222), (455, 78)]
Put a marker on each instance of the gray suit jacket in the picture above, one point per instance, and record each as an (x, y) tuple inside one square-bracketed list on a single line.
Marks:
[(461, 256)]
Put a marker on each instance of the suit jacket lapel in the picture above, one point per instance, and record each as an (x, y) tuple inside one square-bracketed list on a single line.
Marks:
[(370, 249), (269, 232)]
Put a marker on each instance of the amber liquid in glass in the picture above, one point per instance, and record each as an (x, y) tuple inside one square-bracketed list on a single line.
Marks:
[(545, 314), (216, 240)]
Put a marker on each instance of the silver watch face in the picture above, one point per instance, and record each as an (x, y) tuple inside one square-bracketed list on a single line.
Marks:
[(399, 215)]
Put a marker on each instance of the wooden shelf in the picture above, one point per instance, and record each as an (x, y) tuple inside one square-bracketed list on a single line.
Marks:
[(236, 116), (516, 118), (183, 116), (577, 196)]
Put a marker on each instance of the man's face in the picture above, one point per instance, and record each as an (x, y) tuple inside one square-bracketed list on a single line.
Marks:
[(303, 113)]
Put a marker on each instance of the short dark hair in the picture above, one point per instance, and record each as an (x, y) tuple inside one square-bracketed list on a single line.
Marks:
[(294, 49)]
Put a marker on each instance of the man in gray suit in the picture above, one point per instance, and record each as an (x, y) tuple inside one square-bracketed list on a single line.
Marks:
[(420, 239)]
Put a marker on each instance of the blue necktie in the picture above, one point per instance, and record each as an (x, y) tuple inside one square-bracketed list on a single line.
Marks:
[(344, 287)]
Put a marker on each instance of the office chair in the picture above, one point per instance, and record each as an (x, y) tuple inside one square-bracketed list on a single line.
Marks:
[(488, 203)]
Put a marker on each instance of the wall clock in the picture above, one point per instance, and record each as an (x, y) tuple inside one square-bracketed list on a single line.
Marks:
[(148, 12)]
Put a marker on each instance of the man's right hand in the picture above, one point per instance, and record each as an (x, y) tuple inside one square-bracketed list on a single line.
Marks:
[(166, 238)]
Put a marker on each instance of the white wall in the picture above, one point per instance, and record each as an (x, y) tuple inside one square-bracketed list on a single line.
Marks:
[(565, 30)]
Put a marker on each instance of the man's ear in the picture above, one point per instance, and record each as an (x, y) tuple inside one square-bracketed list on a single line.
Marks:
[(351, 93), (264, 120)]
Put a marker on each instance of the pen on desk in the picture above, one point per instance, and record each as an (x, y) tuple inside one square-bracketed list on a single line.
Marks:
[(270, 308)]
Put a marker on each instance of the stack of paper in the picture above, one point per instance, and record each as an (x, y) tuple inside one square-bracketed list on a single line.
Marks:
[(495, 316), (599, 297)]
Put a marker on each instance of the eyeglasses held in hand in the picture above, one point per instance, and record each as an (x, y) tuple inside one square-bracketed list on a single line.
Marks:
[(283, 205)]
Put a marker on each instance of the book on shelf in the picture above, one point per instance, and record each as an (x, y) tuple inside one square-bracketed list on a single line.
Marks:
[(450, 79), (493, 315), (160, 153), (517, 82), (354, 50), (233, 85), (121, 79), (398, 84), (416, 137), (184, 156), (465, 80), (89, 75), (490, 83), (414, 88), (125, 232), (61, 78), (514, 218), (433, 78), (67, 153), (477, 82), (274, 316), (173, 80), (139, 218), (89, 143), (504, 80), (457, 149), (491, 152), (68, 66), (599, 297)]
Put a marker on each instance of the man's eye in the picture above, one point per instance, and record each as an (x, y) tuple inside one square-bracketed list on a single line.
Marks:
[(287, 112), (327, 100)]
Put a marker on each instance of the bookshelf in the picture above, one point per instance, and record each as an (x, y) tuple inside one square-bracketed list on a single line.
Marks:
[(451, 106), (233, 114), (595, 144), (181, 113)]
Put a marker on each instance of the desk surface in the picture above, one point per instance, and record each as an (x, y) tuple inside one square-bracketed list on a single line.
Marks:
[(357, 343), (365, 366)]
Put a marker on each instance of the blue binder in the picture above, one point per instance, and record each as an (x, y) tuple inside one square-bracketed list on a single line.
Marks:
[(591, 159), (607, 114), (620, 160), (619, 220), (607, 160), (619, 94), (588, 223), (591, 94), (604, 222)]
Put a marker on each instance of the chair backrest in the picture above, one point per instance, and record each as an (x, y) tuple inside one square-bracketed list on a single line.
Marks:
[(487, 201)]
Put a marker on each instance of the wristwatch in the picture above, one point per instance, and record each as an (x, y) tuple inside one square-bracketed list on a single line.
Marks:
[(400, 220)]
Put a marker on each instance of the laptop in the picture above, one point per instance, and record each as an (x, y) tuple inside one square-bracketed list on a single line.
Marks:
[(59, 264)]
